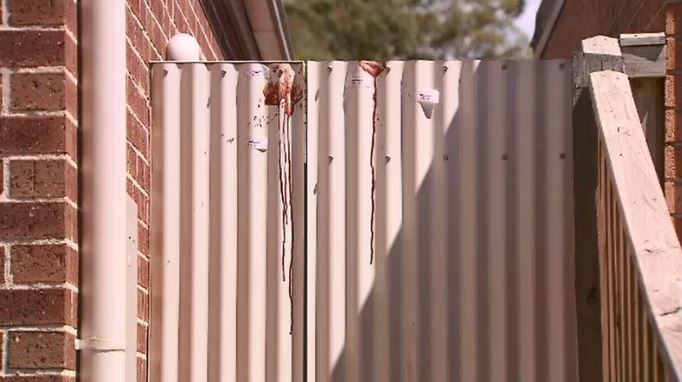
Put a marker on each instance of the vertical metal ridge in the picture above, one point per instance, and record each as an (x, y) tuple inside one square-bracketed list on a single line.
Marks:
[(469, 344), (497, 169), (410, 345), (222, 346), (165, 233), (451, 126), (527, 280), (557, 184), (313, 88)]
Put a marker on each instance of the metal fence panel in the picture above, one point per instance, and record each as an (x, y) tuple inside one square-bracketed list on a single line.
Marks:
[(440, 222), (227, 214), (434, 206)]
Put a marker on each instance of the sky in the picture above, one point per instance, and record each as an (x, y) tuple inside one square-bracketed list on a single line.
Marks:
[(527, 20)]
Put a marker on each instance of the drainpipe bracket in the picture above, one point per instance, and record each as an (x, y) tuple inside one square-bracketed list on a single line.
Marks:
[(99, 344)]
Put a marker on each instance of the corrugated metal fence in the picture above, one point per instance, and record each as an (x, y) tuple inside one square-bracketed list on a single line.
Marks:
[(437, 236)]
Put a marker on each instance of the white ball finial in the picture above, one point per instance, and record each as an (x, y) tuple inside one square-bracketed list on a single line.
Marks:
[(183, 47)]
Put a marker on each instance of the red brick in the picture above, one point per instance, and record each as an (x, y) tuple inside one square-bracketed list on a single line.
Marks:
[(52, 178), (673, 195), (2, 177), (143, 272), (36, 12), (37, 92), (49, 264), (138, 135), (673, 19), (142, 305), (41, 350), (37, 307), (33, 221), (141, 370), (138, 103), (31, 48), (143, 239), (673, 91), (673, 126), (673, 59), (142, 334), (673, 157), (37, 135)]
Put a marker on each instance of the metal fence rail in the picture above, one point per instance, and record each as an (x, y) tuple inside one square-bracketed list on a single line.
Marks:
[(440, 231), (640, 256)]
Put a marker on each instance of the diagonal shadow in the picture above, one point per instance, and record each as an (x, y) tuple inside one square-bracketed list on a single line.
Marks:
[(490, 266)]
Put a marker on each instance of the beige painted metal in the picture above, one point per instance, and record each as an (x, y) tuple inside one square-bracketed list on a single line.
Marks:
[(438, 226), (220, 288), (472, 271)]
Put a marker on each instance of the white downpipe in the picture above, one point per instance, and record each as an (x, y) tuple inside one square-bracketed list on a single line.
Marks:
[(103, 164)]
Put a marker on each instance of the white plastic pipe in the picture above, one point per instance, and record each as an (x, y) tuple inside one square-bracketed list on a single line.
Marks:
[(103, 238)]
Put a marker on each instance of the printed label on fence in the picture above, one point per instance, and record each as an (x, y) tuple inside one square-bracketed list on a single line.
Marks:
[(428, 96), (357, 80), (428, 99), (259, 143)]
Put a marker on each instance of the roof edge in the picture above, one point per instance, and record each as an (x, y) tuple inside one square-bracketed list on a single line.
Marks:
[(545, 21)]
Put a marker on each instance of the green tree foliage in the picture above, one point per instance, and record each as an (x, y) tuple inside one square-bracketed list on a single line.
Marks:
[(405, 29)]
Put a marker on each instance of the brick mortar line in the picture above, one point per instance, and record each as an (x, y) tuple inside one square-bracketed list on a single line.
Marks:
[(43, 157), (137, 118), (5, 179), (42, 286), (142, 322), (5, 13), (31, 242), (143, 256), (137, 185), (135, 113), (132, 46), (56, 69), (4, 362), (5, 73), (142, 28), (158, 23), (142, 289), (59, 113), (139, 153), (140, 90), (32, 28), (42, 329), (21, 372), (63, 199)]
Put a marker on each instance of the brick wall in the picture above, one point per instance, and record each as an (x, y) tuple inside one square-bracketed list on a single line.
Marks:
[(39, 171), (150, 24), (581, 19), (38, 190), (673, 113)]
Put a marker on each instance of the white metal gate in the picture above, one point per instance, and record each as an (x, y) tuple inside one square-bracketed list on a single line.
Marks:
[(427, 236)]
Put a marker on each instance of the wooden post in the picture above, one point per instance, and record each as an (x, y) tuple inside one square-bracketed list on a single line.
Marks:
[(585, 135), (644, 57)]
